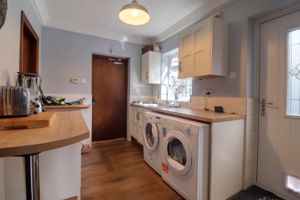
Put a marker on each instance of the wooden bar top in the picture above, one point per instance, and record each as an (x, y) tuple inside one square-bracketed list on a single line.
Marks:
[(68, 107), (67, 128), (194, 114)]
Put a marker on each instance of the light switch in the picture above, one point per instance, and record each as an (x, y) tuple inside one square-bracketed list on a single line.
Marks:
[(75, 80), (78, 80)]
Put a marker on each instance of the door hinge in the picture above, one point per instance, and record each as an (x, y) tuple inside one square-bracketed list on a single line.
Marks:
[(263, 107)]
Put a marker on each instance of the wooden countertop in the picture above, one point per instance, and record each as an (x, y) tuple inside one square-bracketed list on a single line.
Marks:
[(68, 107), (194, 114), (67, 128)]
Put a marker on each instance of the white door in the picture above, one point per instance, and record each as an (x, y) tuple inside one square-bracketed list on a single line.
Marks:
[(279, 138)]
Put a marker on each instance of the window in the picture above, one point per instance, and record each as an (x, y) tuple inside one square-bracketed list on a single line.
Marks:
[(178, 89), (293, 90)]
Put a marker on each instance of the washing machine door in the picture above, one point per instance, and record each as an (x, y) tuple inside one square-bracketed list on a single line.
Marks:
[(151, 136), (178, 153)]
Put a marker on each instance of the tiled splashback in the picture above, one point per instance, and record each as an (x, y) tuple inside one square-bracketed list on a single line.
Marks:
[(141, 98), (230, 104), (236, 105)]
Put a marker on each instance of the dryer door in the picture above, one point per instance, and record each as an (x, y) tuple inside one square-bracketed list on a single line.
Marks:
[(151, 136), (178, 153)]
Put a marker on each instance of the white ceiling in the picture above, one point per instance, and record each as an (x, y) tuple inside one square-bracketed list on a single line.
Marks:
[(100, 17)]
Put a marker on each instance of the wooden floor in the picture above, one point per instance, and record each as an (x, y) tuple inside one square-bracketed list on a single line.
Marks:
[(115, 170)]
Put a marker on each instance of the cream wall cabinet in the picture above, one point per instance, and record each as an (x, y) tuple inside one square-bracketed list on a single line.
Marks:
[(151, 67), (203, 49)]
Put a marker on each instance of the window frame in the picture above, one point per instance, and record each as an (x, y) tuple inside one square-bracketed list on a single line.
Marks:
[(169, 56), (288, 86)]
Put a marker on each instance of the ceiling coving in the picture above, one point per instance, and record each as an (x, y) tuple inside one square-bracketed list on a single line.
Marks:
[(134, 14), (3, 10)]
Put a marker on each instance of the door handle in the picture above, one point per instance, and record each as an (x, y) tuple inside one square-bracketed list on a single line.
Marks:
[(270, 105), (93, 100), (264, 104)]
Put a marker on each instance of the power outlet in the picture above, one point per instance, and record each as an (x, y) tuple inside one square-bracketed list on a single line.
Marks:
[(206, 92), (232, 76)]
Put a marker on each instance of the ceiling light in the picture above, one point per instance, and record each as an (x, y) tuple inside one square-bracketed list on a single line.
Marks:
[(134, 14)]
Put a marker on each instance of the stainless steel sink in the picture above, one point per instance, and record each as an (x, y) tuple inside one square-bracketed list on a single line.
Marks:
[(146, 104), (150, 104)]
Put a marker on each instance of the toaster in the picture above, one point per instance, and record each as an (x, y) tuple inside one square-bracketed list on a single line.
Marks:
[(14, 102)]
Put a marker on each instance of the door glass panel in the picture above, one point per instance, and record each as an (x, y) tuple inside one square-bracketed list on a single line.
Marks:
[(150, 139), (176, 151), (293, 90)]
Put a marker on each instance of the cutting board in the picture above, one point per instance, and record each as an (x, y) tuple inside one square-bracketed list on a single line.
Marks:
[(40, 120)]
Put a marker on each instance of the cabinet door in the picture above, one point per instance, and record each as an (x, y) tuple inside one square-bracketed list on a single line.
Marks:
[(145, 69), (202, 49), (136, 123), (140, 137), (154, 67), (131, 121), (151, 67), (186, 57), (141, 127)]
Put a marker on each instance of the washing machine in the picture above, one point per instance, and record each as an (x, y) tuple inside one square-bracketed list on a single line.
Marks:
[(152, 141), (185, 161)]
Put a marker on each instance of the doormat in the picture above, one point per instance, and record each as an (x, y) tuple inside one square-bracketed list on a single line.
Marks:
[(255, 193)]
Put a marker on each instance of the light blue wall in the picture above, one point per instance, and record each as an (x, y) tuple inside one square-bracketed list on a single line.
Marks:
[(67, 54), (10, 39), (239, 15), (12, 185)]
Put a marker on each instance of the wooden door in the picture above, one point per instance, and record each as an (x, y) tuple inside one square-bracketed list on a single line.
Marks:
[(29, 47), (279, 121), (109, 87)]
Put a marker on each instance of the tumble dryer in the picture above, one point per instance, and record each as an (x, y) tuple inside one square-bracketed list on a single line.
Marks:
[(185, 156)]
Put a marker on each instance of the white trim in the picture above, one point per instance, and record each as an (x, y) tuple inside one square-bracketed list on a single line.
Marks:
[(278, 14), (40, 10), (202, 12)]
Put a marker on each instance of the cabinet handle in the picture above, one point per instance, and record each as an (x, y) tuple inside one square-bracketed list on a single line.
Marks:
[(147, 75), (179, 66), (138, 116)]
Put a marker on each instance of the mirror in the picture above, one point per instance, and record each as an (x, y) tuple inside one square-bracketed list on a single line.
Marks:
[(3, 9)]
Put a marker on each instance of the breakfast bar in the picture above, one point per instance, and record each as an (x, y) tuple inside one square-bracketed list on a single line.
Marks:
[(67, 128)]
